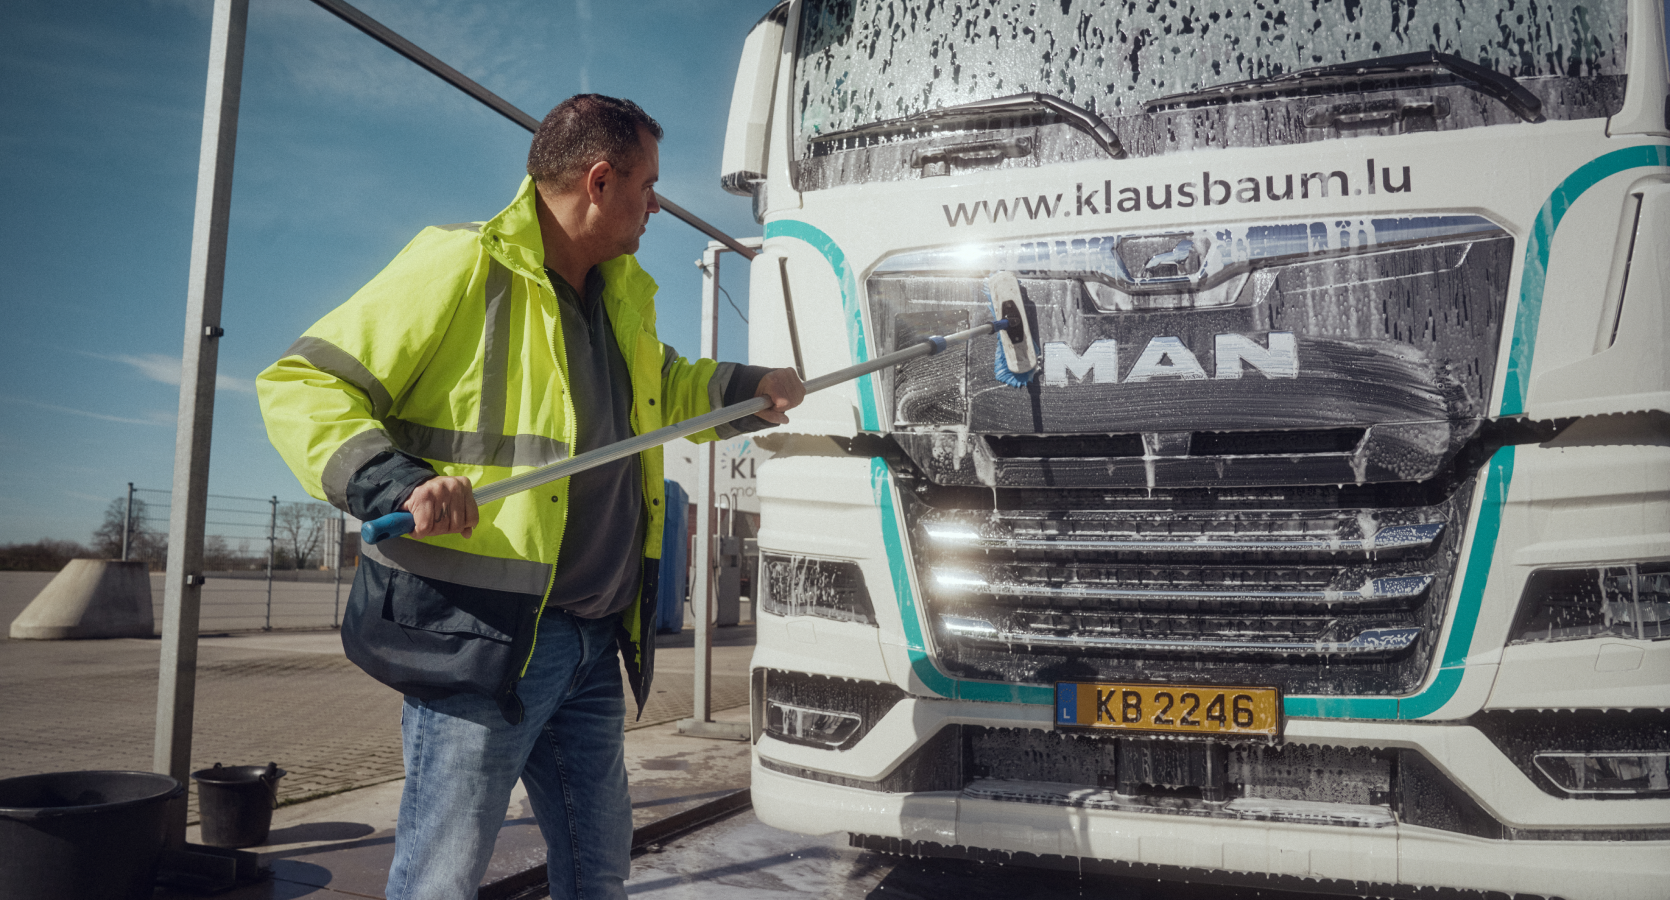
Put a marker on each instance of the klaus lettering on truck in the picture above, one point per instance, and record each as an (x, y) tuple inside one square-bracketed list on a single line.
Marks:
[(1168, 358)]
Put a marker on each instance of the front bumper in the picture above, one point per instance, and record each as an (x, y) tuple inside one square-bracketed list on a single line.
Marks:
[(1545, 845), (1354, 859)]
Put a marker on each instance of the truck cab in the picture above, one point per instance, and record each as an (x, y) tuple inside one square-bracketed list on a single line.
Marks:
[(1330, 543)]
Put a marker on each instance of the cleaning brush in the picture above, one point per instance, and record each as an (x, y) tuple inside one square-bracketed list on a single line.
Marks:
[(1017, 359), (1017, 355)]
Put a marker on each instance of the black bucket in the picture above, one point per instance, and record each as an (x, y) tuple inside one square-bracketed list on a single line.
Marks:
[(82, 834), (235, 803)]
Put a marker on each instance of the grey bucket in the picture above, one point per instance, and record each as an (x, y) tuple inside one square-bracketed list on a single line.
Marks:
[(82, 834)]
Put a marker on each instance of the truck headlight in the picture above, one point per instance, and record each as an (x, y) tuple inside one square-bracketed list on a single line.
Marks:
[(819, 711), (808, 586), (804, 725), (1623, 601)]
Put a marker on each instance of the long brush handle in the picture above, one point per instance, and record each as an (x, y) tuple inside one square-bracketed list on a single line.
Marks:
[(399, 523)]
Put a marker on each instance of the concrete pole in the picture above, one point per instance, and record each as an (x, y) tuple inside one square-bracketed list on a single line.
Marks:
[(182, 591)]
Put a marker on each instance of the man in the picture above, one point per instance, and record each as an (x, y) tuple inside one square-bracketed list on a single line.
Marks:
[(480, 351)]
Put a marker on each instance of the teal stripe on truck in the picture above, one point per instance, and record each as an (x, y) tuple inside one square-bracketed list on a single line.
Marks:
[(851, 304), (1535, 274)]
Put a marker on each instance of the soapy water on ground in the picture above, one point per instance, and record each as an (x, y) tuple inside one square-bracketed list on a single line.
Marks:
[(742, 858)]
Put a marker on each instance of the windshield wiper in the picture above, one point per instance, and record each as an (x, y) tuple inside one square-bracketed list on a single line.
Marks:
[(1076, 116), (1337, 77)]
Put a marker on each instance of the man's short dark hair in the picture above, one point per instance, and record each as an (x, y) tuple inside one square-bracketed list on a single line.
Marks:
[(584, 130)]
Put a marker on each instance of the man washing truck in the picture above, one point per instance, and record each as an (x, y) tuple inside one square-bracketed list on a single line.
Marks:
[(1330, 548), (484, 350)]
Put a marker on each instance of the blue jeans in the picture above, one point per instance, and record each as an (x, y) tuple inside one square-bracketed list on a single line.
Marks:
[(463, 759)]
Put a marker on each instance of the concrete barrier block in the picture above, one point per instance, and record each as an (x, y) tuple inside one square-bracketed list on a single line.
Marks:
[(90, 598)]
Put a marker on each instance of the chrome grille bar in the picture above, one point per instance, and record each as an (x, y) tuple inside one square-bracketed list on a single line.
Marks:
[(1365, 642), (1243, 585), (952, 536), (1404, 587)]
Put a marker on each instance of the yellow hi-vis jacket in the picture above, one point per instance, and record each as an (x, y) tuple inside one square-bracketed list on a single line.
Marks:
[(454, 354)]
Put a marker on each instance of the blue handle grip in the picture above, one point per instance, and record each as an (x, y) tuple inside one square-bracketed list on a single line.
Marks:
[(392, 525)]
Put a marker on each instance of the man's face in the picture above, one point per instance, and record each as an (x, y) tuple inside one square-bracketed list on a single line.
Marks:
[(629, 200)]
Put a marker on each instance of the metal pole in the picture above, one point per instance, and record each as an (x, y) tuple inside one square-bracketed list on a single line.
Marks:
[(127, 522), (701, 723), (388, 38), (272, 549), (706, 460), (182, 591), (702, 225)]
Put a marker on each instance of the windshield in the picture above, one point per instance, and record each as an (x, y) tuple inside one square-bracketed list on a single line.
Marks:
[(864, 61)]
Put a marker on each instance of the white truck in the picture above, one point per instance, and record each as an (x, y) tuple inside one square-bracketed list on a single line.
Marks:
[(1330, 547)]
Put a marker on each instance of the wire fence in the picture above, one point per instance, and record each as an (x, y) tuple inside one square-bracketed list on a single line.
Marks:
[(267, 564)]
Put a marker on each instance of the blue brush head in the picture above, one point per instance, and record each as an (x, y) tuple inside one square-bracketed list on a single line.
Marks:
[(1000, 371), (1000, 365)]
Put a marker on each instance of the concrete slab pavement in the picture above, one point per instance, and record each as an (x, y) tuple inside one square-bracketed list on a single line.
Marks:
[(342, 845), (293, 698), (285, 697)]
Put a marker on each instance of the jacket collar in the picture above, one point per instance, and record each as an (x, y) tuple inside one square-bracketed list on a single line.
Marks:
[(513, 238)]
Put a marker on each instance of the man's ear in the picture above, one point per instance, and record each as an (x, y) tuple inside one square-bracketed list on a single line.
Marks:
[(600, 176)]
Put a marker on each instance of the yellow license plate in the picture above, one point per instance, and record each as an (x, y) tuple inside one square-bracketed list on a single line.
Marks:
[(1176, 709)]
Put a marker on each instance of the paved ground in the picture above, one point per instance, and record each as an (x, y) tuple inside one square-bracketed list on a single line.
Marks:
[(293, 699), (341, 846), (289, 698)]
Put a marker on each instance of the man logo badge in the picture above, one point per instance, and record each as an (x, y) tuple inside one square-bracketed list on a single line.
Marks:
[(1167, 358)]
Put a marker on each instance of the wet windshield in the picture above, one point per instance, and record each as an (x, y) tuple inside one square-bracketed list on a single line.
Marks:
[(864, 61)]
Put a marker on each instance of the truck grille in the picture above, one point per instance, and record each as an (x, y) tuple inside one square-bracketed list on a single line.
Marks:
[(1316, 601)]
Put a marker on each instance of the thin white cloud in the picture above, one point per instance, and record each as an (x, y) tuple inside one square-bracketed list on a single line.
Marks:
[(153, 419), (165, 369), (154, 366), (235, 385)]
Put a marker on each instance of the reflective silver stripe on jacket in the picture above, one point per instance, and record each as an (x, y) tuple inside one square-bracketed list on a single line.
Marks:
[(359, 449), (354, 453), (718, 383), (473, 448), (486, 446), (457, 567), (333, 360), (495, 356), (716, 388)]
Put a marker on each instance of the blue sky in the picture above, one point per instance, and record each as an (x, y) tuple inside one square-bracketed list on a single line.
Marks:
[(345, 150)]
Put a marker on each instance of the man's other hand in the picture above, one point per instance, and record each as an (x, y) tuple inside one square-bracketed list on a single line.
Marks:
[(785, 391), (442, 505)]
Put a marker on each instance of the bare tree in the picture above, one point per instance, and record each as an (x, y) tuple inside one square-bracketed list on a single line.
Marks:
[(218, 555), (302, 531), (147, 540)]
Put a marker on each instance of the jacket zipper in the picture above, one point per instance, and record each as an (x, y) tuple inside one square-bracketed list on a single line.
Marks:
[(560, 351)]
